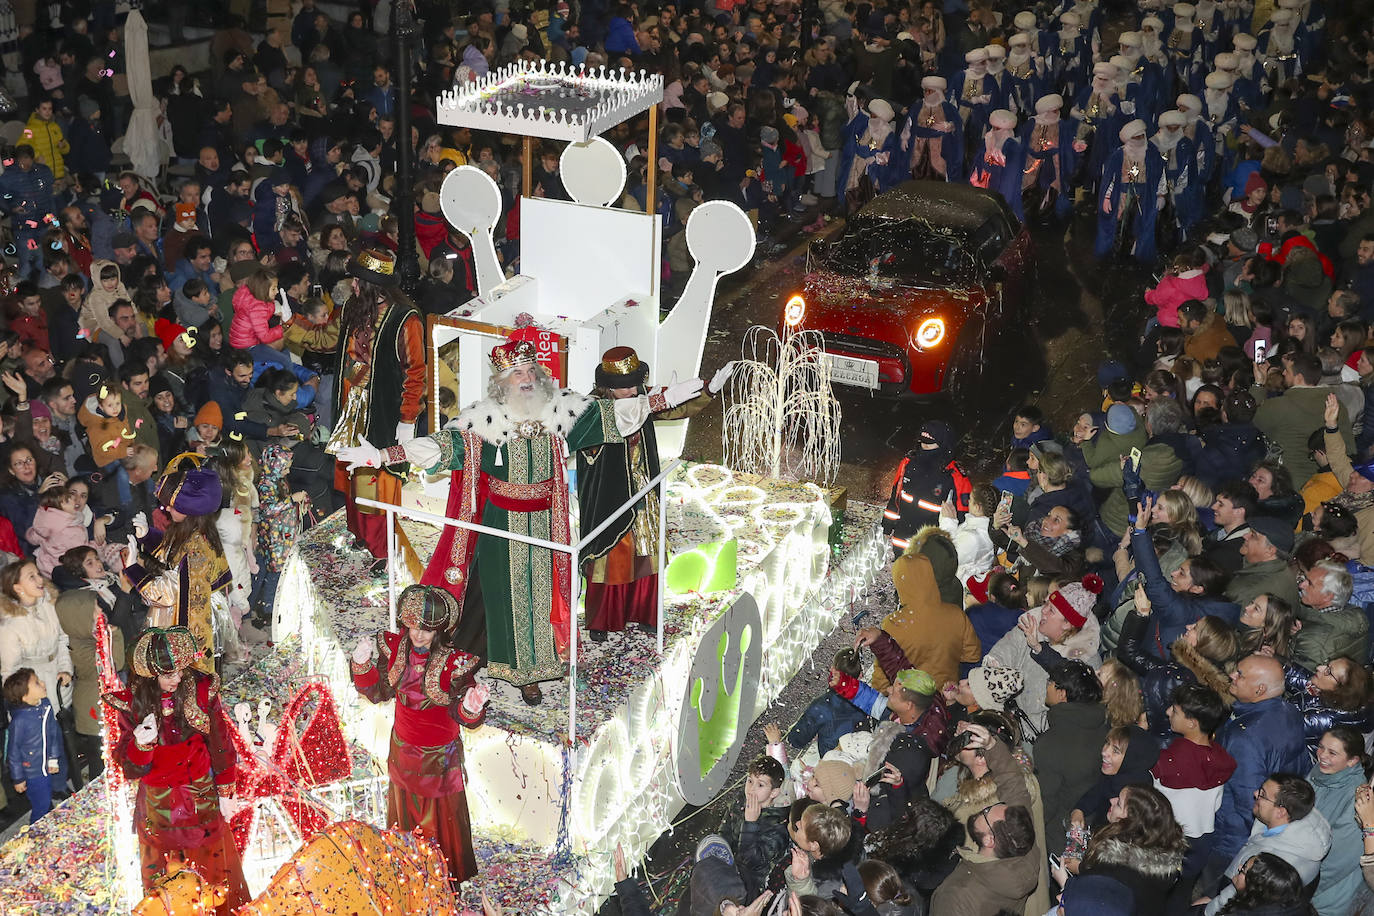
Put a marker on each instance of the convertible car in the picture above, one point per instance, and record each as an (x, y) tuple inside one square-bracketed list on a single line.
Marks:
[(922, 280)]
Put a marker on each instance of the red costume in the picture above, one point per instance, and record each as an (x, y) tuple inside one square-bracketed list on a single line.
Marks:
[(180, 779), (425, 761)]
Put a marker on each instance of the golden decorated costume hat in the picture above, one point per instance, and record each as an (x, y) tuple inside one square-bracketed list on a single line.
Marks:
[(164, 651), (375, 265), (621, 367), (426, 607)]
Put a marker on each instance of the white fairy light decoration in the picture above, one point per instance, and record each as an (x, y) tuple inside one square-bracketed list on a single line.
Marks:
[(782, 419)]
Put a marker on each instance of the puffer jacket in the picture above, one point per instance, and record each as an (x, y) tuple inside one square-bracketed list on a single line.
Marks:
[(1232, 449), (33, 739), (1159, 678), (1327, 634), (49, 143), (255, 321), (1317, 716), (1173, 611)]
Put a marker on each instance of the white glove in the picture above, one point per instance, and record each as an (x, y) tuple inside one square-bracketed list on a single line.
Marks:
[(721, 377), (682, 392), (475, 699), (361, 456), (228, 807), (145, 732), (141, 525), (133, 551), (365, 650), (405, 432)]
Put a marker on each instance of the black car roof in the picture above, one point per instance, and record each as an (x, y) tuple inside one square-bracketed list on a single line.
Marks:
[(959, 207)]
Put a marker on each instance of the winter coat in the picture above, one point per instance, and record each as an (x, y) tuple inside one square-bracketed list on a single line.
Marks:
[(1302, 844), (1270, 577), (992, 621), (255, 322), (19, 504), (982, 886), (1340, 870), (1317, 716), (1289, 419), (1327, 634), (108, 437), (54, 532), (1172, 611), (1169, 561), (1263, 738), (1011, 651), (33, 638), (33, 740), (1207, 341), (262, 406), (95, 311), (826, 720), (971, 541), (1174, 290), (49, 146), (1141, 754), (1160, 469), (1231, 450), (1150, 873), (1158, 678), (758, 845), (934, 634), (76, 613), (1067, 757)]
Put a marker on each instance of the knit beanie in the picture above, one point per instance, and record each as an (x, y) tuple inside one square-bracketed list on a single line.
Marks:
[(1075, 600), (993, 686), (835, 779), (210, 413)]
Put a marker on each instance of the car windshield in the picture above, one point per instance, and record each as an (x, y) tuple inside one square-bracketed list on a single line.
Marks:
[(908, 251)]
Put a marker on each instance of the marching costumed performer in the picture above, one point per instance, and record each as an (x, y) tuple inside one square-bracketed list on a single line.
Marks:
[(998, 165), (1071, 55), (1180, 170), (975, 92), (1025, 74), (1095, 114), (876, 155), (507, 454), (184, 567), (381, 386), (1132, 189), (621, 564), (435, 692), (1051, 158), (934, 134), (1196, 130), (173, 741)]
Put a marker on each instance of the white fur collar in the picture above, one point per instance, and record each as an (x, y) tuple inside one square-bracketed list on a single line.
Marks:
[(489, 420)]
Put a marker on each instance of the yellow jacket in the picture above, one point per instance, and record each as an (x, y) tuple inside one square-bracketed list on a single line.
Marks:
[(48, 142)]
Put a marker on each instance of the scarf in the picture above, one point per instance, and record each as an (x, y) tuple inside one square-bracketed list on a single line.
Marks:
[(1165, 140), (992, 142), (1281, 40), (1245, 63), (1058, 546), (1047, 119), (1217, 101), (1019, 62), (996, 66), (1354, 502)]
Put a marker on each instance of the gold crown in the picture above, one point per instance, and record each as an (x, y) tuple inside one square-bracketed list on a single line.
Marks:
[(511, 354), (376, 261)]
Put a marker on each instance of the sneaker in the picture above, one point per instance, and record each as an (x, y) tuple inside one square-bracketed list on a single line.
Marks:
[(810, 200), (713, 846)]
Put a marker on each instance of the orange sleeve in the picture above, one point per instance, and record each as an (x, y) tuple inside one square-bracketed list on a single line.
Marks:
[(411, 344)]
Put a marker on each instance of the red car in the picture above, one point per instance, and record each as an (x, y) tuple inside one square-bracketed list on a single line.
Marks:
[(922, 280)]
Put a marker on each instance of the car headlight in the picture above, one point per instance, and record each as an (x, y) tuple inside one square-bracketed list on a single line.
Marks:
[(794, 311), (930, 333)]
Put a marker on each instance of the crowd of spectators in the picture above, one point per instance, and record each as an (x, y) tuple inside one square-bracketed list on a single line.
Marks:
[(1133, 670)]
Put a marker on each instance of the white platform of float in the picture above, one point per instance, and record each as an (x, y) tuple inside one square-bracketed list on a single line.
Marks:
[(653, 733)]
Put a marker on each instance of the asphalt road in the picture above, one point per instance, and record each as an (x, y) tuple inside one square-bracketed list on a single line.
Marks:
[(1082, 313)]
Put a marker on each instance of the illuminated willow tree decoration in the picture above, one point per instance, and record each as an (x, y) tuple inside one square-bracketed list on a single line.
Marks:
[(782, 419)]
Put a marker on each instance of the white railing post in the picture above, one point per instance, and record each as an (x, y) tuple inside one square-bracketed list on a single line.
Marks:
[(390, 567), (662, 558)]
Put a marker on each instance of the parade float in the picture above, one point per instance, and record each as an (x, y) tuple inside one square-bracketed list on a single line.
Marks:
[(761, 554)]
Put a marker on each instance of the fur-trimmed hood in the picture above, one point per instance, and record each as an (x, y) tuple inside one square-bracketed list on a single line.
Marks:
[(937, 547), (1152, 863), (489, 419), (1205, 670)]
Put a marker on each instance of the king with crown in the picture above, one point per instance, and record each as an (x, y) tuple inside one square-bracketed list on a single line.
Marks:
[(508, 454)]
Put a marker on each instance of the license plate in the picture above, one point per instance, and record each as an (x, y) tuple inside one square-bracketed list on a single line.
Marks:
[(849, 370)]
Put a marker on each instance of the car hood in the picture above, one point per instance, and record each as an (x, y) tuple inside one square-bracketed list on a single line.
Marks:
[(830, 293)]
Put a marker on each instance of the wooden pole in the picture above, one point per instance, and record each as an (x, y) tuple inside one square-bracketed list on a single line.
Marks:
[(649, 205), (527, 178)]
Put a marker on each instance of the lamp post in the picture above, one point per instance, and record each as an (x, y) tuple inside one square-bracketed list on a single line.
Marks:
[(403, 202)]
